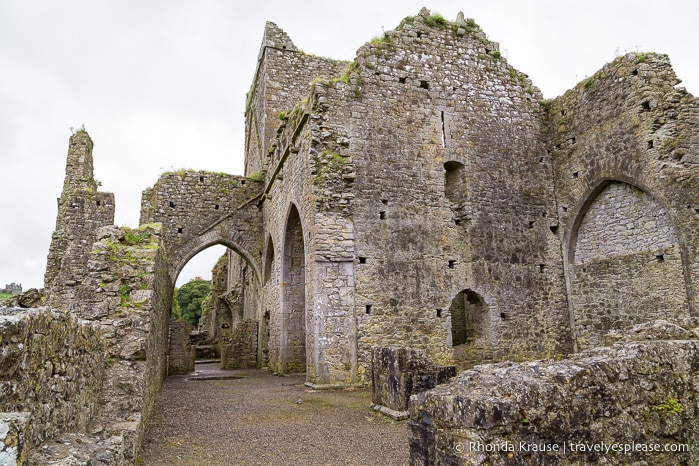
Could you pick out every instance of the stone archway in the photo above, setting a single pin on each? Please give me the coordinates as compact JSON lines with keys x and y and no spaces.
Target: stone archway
{"x":624,"y":263}
{"x":201,"y":209}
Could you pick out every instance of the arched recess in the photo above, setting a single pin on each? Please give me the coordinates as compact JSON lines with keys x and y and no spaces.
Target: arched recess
{"x":293,"y":310}
{"x":270,"y":274}
{"x":471,"y":333}
{"x":624,"y":263}
{"x":454,"y":181}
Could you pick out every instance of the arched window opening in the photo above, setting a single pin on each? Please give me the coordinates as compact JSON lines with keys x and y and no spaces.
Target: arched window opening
{"x":293,"y":338}
{"x":469,"y":318}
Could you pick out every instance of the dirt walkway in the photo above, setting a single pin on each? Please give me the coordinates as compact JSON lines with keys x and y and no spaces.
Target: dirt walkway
{"x":261,"y":419}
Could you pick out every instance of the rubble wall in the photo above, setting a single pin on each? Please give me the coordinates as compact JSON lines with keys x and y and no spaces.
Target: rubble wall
{"x":53,"y":367}
{"x":587,"y":409}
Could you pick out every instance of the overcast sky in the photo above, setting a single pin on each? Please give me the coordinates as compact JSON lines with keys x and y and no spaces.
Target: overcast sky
{"x":161,"y":84}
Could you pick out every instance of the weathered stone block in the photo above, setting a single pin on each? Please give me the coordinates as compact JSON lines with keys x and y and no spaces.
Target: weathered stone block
{"x":15,"y":435}
{"x":566,"y":412}
{"x":398,"y":373}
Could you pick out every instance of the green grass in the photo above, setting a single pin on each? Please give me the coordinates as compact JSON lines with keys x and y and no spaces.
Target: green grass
{"x":257,"y":176}
{"x":5,"y":296}
{"x":436,"y":21}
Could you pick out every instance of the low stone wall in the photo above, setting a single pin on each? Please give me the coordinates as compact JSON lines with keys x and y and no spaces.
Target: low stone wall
{"x":590,"y":409}
{"x":397,"y":373}
{"x":52,"y":367}
{"x":182,"y":353}
{"x":241,"y":353}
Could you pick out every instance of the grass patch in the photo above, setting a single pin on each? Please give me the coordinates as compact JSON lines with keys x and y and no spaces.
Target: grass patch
{"x":5,"y":296}
{"x":258,"y":175}
{"x":546,"y":105}
{"x":124,"y":291}
{"x":134,"y":237}
{"x":436,"y":21}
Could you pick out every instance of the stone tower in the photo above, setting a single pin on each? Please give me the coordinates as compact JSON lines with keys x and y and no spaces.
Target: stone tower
{"x":81,"y":211}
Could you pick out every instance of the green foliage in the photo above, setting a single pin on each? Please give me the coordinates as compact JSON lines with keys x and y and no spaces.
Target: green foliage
{"x":335,"y":160}
{"x":282,"y":115}
{"x":471,"y":24}
{"x":188,"y":299}
{"x":258,"y":175}
{"x":81,"y":130}
{"x":5,"y":296}
{"x":436,"y":21}
{"x":496,"y":54}
{"x":124,"y":291}
{"x":409,"y":20}
{"x":381,"y":42}
{"x":546,"y":105}
{"x":672,"y":405}
{"x":351,"y":68}
{"x":133,"y":237}
{"x":641,"y":57}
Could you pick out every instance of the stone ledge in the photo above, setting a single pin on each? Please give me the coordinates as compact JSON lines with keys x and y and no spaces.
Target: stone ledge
{"x":392,"y":413}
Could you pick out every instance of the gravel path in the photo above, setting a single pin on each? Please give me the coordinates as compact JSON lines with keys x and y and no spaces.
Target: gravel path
{"x":261,"y":419}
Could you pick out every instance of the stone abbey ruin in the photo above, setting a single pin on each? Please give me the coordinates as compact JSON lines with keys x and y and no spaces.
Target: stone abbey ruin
{"x":404,"y":217}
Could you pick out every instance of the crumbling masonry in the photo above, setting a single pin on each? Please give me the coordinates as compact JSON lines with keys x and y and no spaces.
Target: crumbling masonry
{"x":422,"y":196}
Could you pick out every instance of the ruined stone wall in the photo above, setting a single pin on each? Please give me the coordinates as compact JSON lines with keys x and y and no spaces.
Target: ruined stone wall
{"x":625,"y":159}
{"x":128,"y":294}
{"x":53,"y":367}
{"x":181,"y":353}
{"x":282,"y":78}
{"x":241,"y":352}
{"x":641,"y":392}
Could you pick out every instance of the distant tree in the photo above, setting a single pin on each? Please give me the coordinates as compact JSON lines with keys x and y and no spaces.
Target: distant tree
{"x":189,"y":298}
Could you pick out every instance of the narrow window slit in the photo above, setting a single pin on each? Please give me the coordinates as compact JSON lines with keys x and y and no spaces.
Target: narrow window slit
{"x":367,"y":308}
{"x":362,"y":260}
{"x":382,"y":215}
{"x":439,"y":313}
{"x":451,"y":263}
{"x":444,"y":134}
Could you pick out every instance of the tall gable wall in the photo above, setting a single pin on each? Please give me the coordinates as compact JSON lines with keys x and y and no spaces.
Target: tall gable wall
{"x":625,"y":158}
